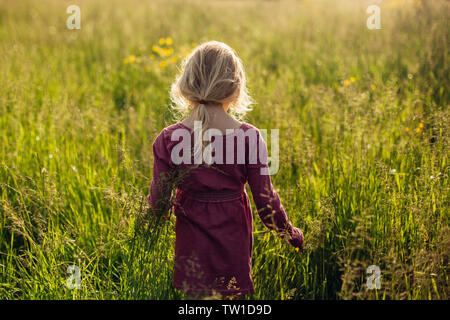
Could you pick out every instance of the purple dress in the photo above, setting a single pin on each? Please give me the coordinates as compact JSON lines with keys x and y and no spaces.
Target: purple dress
{"x":214,"y":239}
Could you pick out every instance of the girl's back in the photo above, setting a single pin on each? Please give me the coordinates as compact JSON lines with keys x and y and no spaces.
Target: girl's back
{"x":213,"y":228}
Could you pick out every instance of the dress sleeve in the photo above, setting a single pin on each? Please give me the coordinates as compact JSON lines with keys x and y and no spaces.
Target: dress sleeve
{"x":161,"y":186}
{"x":267,"y":201}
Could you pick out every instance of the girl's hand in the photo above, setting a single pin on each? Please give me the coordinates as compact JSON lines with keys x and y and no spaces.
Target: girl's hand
{"x":297,"y":239}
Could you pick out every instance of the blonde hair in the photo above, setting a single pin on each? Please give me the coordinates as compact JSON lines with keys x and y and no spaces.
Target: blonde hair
{"x":211,"y":74}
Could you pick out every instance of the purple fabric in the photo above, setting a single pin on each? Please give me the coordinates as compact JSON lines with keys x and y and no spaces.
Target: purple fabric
{"x":214,"y":239}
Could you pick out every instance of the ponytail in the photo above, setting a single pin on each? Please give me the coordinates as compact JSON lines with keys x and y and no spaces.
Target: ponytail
{"x":200,"y":114}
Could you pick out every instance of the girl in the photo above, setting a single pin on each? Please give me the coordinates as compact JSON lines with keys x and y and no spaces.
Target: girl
{"x":214,"y":240}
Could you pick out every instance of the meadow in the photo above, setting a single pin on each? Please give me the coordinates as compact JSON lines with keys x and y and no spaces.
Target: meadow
{"x":364,"y":135}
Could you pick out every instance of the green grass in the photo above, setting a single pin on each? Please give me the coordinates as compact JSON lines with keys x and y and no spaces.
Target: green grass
{"x":77,"y":124}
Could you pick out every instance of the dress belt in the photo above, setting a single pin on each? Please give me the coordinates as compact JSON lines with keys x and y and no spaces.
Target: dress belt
{"x":213,"y":196}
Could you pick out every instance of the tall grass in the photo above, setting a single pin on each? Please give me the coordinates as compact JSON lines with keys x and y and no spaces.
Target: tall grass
{"x":363,"y":118}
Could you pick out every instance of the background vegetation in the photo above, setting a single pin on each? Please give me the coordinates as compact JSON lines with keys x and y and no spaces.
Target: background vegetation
{"x":364,"y":132}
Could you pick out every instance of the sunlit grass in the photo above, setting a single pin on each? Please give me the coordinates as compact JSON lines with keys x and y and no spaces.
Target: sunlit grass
{"x":363,"y":118}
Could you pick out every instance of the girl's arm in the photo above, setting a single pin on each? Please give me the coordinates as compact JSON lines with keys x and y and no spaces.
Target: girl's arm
{"x":161,"y":186}
{"x":268,"y":203}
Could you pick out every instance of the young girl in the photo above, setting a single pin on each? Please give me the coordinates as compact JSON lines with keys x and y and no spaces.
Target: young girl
{"x":214,"y":240}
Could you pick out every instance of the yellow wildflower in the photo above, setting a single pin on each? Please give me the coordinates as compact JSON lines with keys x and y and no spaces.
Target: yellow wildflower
{"x":297,"y":249}
{"x":407,"y":129}
{"x":163,"y":64}
{"x":421,"y":125}
{"x":346,"y":83}
{"x":155,"y":48}
{"x":147,"y":69}
{"x":131,"y":59}
{"x":352,"y":79}
{"x":161,"y":41}
{"x":125,"y":61}
{"x":163,"y":52}
{"x":169,"y":41}
{"x":418,"y":130}
{"x":373,"y":87}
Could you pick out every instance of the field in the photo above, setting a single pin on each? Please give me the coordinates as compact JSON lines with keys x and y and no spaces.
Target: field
{"x":364,"y":135}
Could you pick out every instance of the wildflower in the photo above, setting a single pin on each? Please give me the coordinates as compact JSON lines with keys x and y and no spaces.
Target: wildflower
{"x":161,"y":41}
{"x":166,"y":52}
{"x":148,"y":69}
{"x":297,"y":249}
{"x":410,"y":76}
{"x":163,"y":64}
{"x":373,"y":87}
{"x":418,"y":130}
{"x":421,"y":125}
{"x":155,"y":48}
{"x":393,"y":171}
{"x":169,"y":41}
{"x":352,"y":79}
{"x":163,"y":52}
{"x":50,"y":156}
{"x":346,"y":83}
{"x":37,"y":138}
{"x":407,"y":129}
{"x":131,"y":59}
{"x":125,"y":61}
